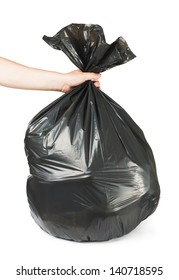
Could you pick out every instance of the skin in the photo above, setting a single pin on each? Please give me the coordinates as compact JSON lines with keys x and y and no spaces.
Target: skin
{"x":15,"y":75}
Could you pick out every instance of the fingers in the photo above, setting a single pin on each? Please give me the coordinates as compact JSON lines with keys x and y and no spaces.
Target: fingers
{"x":95,"y":77}
{"x":92,"y":76}
{"x":97,"y":84}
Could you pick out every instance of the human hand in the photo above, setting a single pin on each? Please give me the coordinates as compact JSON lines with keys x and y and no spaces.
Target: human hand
{"x":76,"y":78}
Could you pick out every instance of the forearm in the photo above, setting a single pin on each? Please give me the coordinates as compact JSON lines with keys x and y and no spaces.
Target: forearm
{"x":15,"y":75}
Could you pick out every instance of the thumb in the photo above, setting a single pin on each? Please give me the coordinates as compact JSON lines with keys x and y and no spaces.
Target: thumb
{"x":93,"y":76}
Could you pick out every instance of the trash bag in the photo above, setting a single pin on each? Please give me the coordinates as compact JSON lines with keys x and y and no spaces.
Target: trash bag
{"x":93,"y":175}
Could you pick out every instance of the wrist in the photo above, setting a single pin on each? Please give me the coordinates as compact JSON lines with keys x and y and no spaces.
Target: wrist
{"x":55,"y":81}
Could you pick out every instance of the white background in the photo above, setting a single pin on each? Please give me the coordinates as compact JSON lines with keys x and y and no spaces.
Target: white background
{"x":147,"y":88}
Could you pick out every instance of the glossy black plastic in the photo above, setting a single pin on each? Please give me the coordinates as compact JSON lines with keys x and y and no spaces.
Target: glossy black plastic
{"x":93,"y":175}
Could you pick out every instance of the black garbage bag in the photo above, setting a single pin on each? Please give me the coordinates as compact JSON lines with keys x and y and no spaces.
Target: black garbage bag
{"x":93,"y":175}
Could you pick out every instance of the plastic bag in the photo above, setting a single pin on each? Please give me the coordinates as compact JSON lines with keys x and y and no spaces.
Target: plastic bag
{"x":93,"y":175}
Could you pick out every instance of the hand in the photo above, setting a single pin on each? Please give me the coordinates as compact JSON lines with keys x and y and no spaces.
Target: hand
{"x":76,"y":78}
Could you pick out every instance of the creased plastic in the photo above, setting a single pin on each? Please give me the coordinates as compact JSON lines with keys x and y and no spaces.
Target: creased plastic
{"x":93,"y":174}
